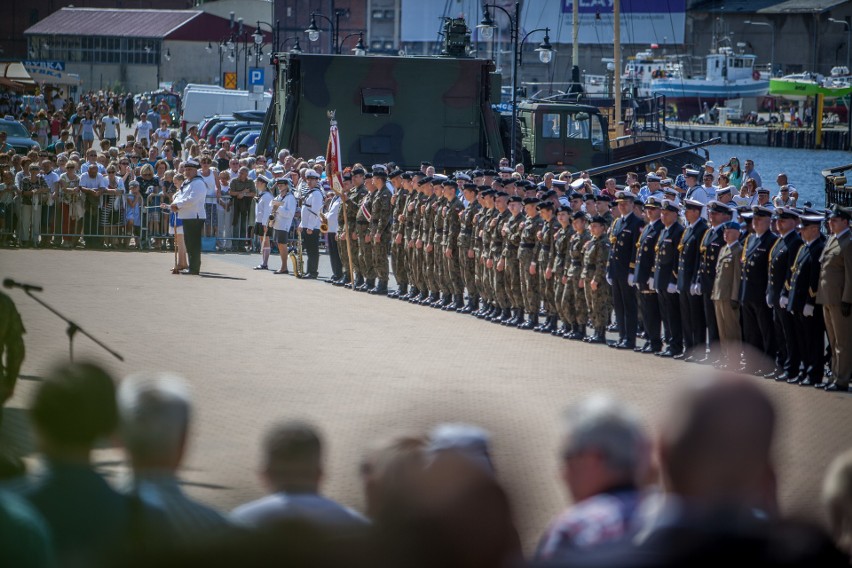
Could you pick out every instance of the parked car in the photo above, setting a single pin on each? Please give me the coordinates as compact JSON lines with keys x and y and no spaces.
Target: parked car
{"x":245,"y":136}
{"x":17,"y":136}
{"x":231,"y":129}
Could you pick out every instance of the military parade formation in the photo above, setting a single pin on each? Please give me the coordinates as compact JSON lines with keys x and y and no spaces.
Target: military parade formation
{"x":749,"y":289}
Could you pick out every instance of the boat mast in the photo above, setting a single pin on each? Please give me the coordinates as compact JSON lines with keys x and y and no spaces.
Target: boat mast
{"x":616,"y":15}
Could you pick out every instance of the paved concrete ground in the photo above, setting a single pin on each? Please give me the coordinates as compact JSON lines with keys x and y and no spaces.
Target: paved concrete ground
{"x":258,"y":347}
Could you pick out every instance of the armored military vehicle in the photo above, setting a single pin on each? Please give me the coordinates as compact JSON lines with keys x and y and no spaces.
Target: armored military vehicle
{"x":443,"y":110}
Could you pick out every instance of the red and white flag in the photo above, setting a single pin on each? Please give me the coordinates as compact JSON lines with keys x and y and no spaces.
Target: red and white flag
{"x":333,"y":166}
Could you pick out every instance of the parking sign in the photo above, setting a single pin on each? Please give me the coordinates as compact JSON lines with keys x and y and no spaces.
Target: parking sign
{"x":255,"y":75}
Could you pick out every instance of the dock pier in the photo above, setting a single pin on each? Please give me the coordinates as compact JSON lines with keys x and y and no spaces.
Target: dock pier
{"x":773,"y":136}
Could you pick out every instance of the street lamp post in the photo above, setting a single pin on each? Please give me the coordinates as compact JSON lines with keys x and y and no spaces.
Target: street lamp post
{"x":359,"y":49}
{"x":313,"y":30}
{"x":545,"y":53}
{"x":297,"y":49}
{"x":772,"y":50}
{"x":848,"y":38}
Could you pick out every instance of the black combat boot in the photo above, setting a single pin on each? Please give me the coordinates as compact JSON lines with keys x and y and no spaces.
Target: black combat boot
{"x":438,"y":301}
{"x":483,"y":309}
{"x":495,"y":313}
{"x":562,"y":331}
{"x":358,"y":281}
{"x":458,"y":303}
{"x":580,"y":332}
{"x":549,"y":324}
{"x":367,"y":285}
{"x":428,"y":298}
{"x":343,"y":280}
{"x":472,"y":305}
{"x":447,"y":303}
{"x":599,"y":336}
{"x":380,"y":289}
{"x":413,"y":292}
{"x":415,"y":298}
{"x":519,"y":317}
{"x":531,"y":323}
{"x":400,"y":291}
{"x":507,"y":315}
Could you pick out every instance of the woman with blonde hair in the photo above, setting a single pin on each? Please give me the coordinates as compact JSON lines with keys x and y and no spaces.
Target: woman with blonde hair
{"x":176,"y":228}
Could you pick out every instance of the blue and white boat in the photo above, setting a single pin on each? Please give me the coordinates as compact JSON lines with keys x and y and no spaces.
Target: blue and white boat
{"x":728,"y":75}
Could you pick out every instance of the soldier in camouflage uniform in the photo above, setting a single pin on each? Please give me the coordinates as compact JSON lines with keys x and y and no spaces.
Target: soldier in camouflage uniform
{"x":452,"y":257}
{"x":412,"y":226}
{"x":438,"y":248}
{"x":542,"y":262}
{"x":380,"y":231}
{"x":341,"y":236}
{"x":362,"y":229}
{"x":558,"y":267}
{"x":487,"y":213}
{"x":399,"y":260}
{"x":352,"y":201}
{"x":574,"y":297}
{"x":491,"y":309}
{"x":527,"y":253}
{"x":467,"y":254}
{"x":593,"y":280}
{"x":430,"y":293}
{"x":501,"y":297}
{"x":512,"y":239}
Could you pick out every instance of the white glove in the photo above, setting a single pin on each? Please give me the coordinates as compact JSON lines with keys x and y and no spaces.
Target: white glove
{"x":631,"y":279}
{"x":783,"y":302}
{"x":769,"y":301}
{"x":651,"y":282}
{"x":697,"y":289}
{"x":672,"y":288}
{"x":808,"y":311}
{"x":609,"y":279}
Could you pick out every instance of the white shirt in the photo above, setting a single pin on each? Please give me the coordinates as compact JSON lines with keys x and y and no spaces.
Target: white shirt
{"x":190,"y":200}
{"x":162,"y":135}
{"x":700,"y":193}
{"x":333,"y":210}
{"x":98,"y":181}
{"x":143,"y":131}
{"x":263,"y":207}
{"x":311,"y":207}
{"x":285,"y":212}
{"x":282,"y":506}
{"x":110,"y":123}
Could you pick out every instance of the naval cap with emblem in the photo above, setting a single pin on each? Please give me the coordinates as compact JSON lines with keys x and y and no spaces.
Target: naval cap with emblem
{"x":191,"y":163}
{"x":652,"y":177}
{"x":693,"y":204}
{"x":763,"y":190}
{"x":669,"y":205}
{"x":652,"y":203}
{"x":810,"y":216}
{"x":312,"y":174}
{"x":719,"y":207}
{"x":727,"y":190}
{"x":624,"y":196}
{"x":836,"y":211}
{"x":506,"y":170}
{"x":691,"y":173}
{"x":761,"y":211}
{"x":785,"y":213}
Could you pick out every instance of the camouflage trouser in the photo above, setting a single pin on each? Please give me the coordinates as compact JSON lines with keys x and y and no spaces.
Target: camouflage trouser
{"x":454,"y":271}
{"x":468,"y":268}
{"x":600,"y":304}
{"x":440,"y":268}
{"x":380,"y":257}
{"x":343,"y":252}
{"x":356,"y":257}
{"x":529,"y":284}
{"x":365,"y":258}
{"x":487,"y":282}
{"x":399,"y":262}
{"x":558,"y":290}
{"x":574,"y":302}
{"x":513,"y":281}
{"x":545,"y":288}
{"x":478,"y":267}
{"x":414,"y":272}
{"x":429,"y":270}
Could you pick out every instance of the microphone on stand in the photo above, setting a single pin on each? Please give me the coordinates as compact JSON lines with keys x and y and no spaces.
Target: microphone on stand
{"x":9,"y":283}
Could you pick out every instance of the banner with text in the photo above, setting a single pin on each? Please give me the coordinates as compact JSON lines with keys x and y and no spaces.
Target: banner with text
{"x":642,"y":21}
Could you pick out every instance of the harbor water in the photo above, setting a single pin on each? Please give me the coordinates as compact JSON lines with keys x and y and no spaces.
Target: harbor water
{"x":801,"y":166}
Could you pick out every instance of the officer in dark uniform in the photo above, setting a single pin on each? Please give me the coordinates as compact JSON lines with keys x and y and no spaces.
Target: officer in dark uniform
{"x":711,"y":244}
{"x":756,"y":314}
{"x":643,"y":277}
{"x":799,"y":299}
{"x":619,"y":270}
{"x":691,"y":304}
{"x":781,"y":257}
{"x":665,"y":277}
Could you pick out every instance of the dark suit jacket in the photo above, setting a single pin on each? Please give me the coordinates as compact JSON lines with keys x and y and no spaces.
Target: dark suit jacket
{"x":781,"y":258}
{"x":625,"y":234}
{"x":665,"y":265}
{"x":802,"y":285}
{"x":711,"y":244}
{"x":690,"y":254}
{"x":755,"y":276}
{"x":646,"y":253}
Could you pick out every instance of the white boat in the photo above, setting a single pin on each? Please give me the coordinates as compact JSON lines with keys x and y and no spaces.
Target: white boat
{"x":645,"y":66}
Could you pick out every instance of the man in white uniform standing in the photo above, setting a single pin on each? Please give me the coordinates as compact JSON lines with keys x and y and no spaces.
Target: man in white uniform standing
{"x":189,"y":206}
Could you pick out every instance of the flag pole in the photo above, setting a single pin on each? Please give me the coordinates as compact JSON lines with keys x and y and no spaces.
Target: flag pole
{"x":333,"y":163}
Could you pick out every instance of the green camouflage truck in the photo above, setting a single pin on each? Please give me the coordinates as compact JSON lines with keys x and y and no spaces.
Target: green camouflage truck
{"x":438,"y":109}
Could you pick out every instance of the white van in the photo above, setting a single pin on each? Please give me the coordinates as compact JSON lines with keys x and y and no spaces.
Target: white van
{"x":200,"y":87}
{"x":200,"y":103}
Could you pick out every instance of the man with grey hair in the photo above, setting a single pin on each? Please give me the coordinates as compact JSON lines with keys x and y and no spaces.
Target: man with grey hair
{"x":292,"y":469}
{"x":154,"y":412}
{"x":604,"y":454}
{"x":466,"y":439}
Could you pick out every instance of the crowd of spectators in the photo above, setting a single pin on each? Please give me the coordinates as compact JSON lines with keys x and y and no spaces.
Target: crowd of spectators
{"x":702,"y":491}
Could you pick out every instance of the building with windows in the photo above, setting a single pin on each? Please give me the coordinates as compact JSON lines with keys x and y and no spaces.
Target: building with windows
{"x":137,"y":50}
